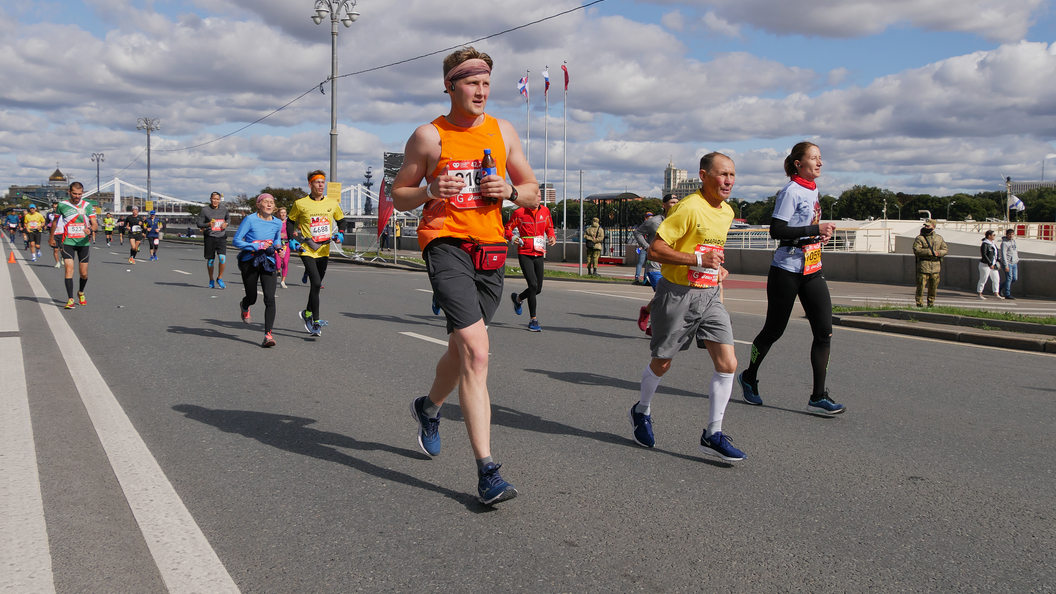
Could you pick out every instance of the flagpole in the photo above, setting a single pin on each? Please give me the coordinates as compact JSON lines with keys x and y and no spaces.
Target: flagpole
{"x":564,"y":166}
{"x":546,"y":120}
{"x":581,"y":244}
{"x":527,"y":120}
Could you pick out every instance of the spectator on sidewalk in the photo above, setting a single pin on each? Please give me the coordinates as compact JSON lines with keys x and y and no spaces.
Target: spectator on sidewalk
{"x":1009,"y":256}
{"x":642,"y":251}
{"x":593,"y":238}
{"x":988,"y":264}
{"x":929,"y":249}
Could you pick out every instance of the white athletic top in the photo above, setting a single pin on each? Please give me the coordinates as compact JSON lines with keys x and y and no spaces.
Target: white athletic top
{"x":799,"y":207}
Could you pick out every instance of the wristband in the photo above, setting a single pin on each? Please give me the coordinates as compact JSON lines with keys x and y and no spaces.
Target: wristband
{"x":429,"y":194}
{"x":699,"y":264}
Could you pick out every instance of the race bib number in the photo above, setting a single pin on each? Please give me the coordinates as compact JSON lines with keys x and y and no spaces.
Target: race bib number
{"x":469,"y":172}
{"x":34,"y":225}
{"x":136,"y":228}
{"x":704,"y":277}
{"x":156,"y":241}
{"x":539,"y":243}
{"x":319,"y":229}
{"x":217,"y":225}
{"x":811,"y":258}
{"x":75,"y":230}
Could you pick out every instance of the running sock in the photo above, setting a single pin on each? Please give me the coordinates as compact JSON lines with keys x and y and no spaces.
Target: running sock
{"x":650,"y":381}
{"x":431,"y":410}
{"x":483,"y":462}
{"x":718,"y":396}
{"x":69,"y":288}
{"x":750,"y":374}
{"x":84,"y":281}
{"x":819,"y":363}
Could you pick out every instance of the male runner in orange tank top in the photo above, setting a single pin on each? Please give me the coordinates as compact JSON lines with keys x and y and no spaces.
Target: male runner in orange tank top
{"x":462,"y":205}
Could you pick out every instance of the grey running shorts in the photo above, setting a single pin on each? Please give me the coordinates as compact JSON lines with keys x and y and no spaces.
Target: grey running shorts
{"x":681,"y":314}
{"x":464,"y":293}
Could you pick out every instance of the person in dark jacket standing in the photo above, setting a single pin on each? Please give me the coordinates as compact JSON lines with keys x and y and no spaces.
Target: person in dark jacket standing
{"x":929,"y":249}
{"x":1009,"y":257}
{"x":988,"y":264}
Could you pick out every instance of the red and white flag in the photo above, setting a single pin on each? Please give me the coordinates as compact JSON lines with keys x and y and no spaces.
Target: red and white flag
{"x":384,"y":208}
{"x":565,"y":68}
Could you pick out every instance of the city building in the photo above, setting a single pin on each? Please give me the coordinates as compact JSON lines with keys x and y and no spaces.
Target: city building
{"x":44,"y":195}
{"x":549,"y":194}
{"x":677,"y":182}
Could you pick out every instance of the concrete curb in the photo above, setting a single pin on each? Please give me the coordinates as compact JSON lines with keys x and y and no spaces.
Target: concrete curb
{"x":948,"y":327}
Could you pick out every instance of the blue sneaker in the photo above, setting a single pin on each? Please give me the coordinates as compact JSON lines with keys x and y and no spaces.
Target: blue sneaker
{"x":516,"y":303}
{"x":220,"y":283}
{"x":491,"y":487}
{"x":642,"y":427}
{"x":428,"y":429}
{"x":533,"y":326}
{"x":436,"y":307}
{"x":306,"y":320}
{"x":751,"y":393}
{"x":317,"y":330}
{"x":720,"y":446}
{"x":825,"y":406}
{"x":304,"y":279}
{"x":212,"y":284}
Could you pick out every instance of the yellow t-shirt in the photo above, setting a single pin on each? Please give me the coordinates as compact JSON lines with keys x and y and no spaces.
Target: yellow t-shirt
{"x":35,"y":222}
{"x":316,"y":220}
{"x":693,"y":225}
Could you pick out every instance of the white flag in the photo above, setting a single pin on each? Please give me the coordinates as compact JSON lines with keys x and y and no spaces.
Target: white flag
{"x":1014,"y":203}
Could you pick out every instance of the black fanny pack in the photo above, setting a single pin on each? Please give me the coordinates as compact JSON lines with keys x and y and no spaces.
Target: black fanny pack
{"x":798,"y":243}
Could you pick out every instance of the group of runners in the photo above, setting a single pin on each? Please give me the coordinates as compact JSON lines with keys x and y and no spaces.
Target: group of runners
{"x":464,"y":245}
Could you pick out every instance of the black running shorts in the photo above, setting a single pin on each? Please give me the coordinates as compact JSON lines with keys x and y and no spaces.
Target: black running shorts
{"x":466,"y":294}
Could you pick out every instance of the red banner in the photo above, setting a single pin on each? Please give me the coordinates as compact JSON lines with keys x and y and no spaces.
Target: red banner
{"x":384,"y":209}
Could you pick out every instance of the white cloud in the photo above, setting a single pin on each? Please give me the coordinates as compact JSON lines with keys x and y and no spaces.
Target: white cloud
{"x":717,"y":24}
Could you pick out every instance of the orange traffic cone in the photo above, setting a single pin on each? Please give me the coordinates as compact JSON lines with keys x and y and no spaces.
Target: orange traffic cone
{"x":11,"y":258}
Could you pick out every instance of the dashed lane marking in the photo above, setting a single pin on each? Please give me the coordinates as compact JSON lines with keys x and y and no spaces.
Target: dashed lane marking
{"x":425,"y":338}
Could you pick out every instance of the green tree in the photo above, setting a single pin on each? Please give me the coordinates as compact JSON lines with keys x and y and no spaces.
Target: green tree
{"x":1041,"y":205}
{"x":760,"y":212}
{"x":862,"y":202}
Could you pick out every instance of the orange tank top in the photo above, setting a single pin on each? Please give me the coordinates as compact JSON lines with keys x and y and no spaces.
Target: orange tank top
{"x":466,"y":215}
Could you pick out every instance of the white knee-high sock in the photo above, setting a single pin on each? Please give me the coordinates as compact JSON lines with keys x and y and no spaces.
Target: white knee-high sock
{"x":650,"y":381}
{"x":718,"y":397}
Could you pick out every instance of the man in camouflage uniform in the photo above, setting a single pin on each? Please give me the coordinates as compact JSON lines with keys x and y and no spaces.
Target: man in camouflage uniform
{"x":929,"y":249}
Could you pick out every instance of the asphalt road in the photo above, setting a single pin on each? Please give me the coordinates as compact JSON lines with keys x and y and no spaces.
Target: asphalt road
{"x":298,"y":469}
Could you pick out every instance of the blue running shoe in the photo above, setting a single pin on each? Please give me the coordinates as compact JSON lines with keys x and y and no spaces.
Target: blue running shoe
{"x":220,"y":283}
{"x":516,"y":303}
{"x":436,"y":307}
{"x":304,"y":279}
{"x":720,"y":446}
{"x":306,"y":319}
{"x":428,"y":429}
{"x":491,"y":487}
{"x":825,"y":406}
{"x":642,"y":427}
{"x":533,"y":326}
{"x":751,"y":393}
{"x":316,"y":330}
{"x":212,"y":284}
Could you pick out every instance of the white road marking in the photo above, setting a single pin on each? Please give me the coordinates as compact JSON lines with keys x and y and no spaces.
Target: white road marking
{"x":185,"y":559}
{"x":181,"y":272}
{"x":648,"y":297}
{"x":425,"y":290}
{"x":425,"y":338}
{"x":24,"y":551}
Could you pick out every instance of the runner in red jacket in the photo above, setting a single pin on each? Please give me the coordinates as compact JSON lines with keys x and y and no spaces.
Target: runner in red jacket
{"x":532,"y":230}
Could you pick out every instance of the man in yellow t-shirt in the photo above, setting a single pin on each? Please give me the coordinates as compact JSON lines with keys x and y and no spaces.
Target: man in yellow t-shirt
{"x":35,"y":223}
{"x":314,"y":221}
{"x":688,"y":302}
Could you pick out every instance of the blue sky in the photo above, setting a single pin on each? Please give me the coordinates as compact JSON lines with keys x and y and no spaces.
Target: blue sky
{"x":889,"y":89}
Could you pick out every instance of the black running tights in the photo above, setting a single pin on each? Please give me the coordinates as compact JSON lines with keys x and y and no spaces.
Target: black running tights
{"x":250,"y":276}
{"x":782,"y":287}
{"x":532,"y":267}
{"x":316,"y":269}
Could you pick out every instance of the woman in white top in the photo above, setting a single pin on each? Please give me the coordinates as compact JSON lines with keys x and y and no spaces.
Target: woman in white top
{"x":796,"y":271}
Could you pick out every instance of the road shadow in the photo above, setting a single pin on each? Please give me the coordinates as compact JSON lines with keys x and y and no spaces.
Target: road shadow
{"x":582,"y":378}
{"x":601,"y":317}
{"x":589,"y":332}
{"x":293,"y":434}
{"x":420,"y":321}
{"x":182,"y":285}
{"x":208,"y":333}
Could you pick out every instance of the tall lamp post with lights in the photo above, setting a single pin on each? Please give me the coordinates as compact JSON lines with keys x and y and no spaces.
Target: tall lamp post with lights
{"x":342,"y":11}
{"x":948,"y":205}
{"x":148,"y":124}
{"x":98,"y":158}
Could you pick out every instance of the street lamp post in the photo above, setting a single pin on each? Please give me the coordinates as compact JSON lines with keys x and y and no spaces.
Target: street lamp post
{"x":98,"y":158}
{"x":334,"y":8}
{"x":148,"y":124}
{"x":948,"y":205}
